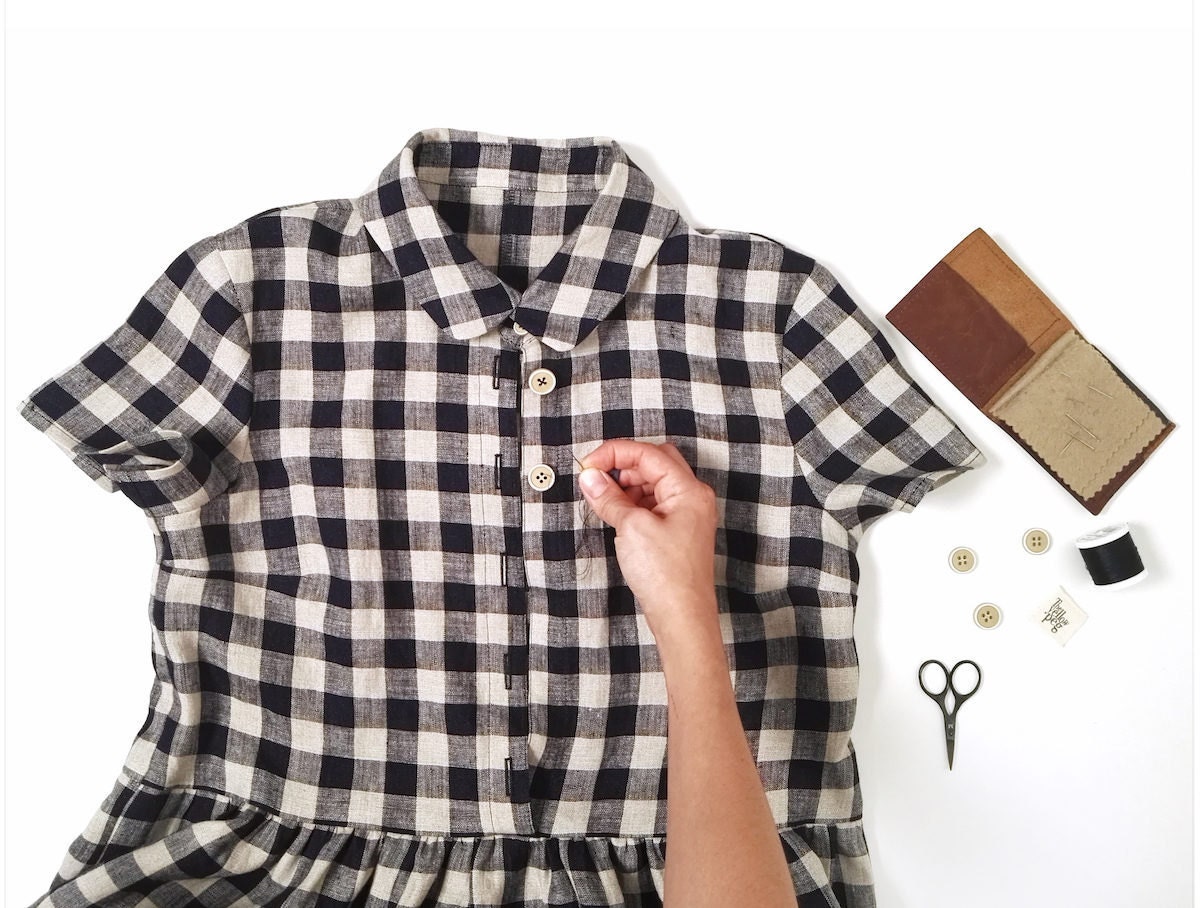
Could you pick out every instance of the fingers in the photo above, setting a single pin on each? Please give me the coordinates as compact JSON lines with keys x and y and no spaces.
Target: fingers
{"x":651,"y":475}
{"x":670,"y":448}
{"x":607,"y":499}
{"x":639,"y":496}
{"x":631,"y":477}
{"x":642,"y":463}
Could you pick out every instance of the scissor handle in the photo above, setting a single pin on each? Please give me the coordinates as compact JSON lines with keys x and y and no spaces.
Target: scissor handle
{"x":939,"y":696}
{"x":958,"y":696}
{"x":921,"y":678}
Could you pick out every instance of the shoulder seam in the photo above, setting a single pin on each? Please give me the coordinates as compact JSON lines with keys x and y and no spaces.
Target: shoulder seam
{"x":327,"y":203}
{"x":239,"y":303}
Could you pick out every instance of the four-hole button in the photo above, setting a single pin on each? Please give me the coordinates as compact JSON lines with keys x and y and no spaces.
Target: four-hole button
{"x":541,"y":381}
{"x":987,"y":615}
{"x":962,"y":559}
{"x":541,"y":477}
{"x":1036,"y":541}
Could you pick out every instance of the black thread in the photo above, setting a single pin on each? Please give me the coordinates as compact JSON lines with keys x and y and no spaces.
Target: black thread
{"x":593,"y":529}
{"x":1113,"y":561}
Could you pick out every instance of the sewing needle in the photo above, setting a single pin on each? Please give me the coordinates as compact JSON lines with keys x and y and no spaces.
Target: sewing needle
{"x":1082,"y":426}
{"x":615,"y":472}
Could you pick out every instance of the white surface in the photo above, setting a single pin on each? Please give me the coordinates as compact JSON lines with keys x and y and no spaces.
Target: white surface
{"x":873,"y":141}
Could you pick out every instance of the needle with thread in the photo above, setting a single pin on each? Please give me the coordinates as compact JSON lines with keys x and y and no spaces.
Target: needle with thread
{"x":614,"y":472}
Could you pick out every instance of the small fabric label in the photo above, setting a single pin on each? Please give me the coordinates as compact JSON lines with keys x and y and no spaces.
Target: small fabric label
{"x":1060,"y":616}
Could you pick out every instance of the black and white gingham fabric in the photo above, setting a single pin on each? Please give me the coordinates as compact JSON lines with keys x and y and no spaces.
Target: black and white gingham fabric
{"x":391,"y":670}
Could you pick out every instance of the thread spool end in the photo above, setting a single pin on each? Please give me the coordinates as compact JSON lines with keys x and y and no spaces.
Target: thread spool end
{"x":1102,"y":536}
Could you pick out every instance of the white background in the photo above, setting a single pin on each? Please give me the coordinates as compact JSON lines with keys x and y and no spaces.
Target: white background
{"x":873,"y":141}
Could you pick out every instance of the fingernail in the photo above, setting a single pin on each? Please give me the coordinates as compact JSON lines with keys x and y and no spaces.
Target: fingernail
{"x":592,"y":481}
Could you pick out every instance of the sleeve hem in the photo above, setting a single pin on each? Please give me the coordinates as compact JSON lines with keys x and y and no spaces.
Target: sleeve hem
{"x":41,"y":421}
{"x":910,"y":496}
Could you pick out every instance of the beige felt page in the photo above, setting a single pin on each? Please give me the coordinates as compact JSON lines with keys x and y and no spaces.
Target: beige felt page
{"x":1073,"y":409}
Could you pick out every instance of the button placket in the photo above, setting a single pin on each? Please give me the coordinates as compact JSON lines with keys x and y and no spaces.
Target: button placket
{"x":536,"y":387}
{"x":513,"y":776}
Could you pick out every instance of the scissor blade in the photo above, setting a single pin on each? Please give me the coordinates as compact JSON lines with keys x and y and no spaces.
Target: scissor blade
{"x":950,"y":723}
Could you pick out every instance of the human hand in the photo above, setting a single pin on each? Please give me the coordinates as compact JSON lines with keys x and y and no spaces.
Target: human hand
{"x":666,"y":522}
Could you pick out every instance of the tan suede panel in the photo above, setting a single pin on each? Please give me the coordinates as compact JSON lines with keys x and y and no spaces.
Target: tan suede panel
{"x":1081,"y":418}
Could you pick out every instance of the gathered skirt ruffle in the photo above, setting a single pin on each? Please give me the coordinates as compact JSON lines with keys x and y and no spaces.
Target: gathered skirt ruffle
{"x":181,"y":847}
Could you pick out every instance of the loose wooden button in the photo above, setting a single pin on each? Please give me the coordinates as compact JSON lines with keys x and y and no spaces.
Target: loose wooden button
{"x":987,"y":614}
{"x":963,"y":560}
{"x":1036,"y":541}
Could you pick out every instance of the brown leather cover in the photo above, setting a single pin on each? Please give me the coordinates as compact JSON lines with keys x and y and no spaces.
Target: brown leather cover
{"x":962,"y":334}
{"x":982,"y":322}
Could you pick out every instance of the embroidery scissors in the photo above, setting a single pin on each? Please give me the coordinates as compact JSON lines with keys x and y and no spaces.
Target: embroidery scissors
{"x":950,"y":717}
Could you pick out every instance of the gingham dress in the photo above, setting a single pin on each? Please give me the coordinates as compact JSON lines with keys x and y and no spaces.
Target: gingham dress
{"x":396,"y":661}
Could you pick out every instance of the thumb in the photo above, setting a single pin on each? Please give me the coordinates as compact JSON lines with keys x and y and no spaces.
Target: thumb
{"x":606,"y":497}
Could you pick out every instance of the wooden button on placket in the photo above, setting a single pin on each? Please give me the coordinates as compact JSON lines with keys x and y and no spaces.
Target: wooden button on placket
{"x":541,"y":477}
{"x":542,"y":381}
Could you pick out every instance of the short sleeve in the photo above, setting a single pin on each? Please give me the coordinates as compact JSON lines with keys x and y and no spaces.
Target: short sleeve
{"x":868,"y":438}
{"x":160,"y":409}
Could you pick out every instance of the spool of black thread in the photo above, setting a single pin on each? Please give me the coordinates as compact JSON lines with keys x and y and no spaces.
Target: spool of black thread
{"x":1111,"y":557}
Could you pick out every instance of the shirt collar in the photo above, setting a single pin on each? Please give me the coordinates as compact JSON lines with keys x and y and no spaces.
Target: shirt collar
{"x":580,"y":285}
